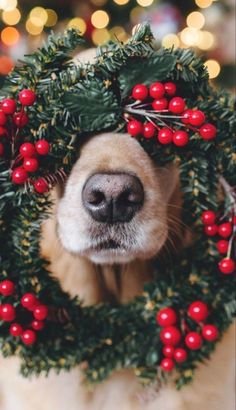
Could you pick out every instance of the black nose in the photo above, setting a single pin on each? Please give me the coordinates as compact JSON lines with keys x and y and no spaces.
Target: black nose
{"x":113,"y":198}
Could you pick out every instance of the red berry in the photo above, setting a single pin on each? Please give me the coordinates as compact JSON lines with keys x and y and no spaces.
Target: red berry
{"x":167,"y":364}
{"x":196,"y":118}
{"x":27,"y":97}
{"x":193,"y":341}
{"x":37,"y":325}
{"x":166,"y":317}
{"x":41,"y":186}
{"x":31,"y":164}
{"x":29,"y":300}
{"x":227,"y":266}
{"x":170,"y":335}
{"x":8,"y":313}
{"x":177,"y":105}
{"x":3,"y":131}
{"x":208,"y":217}
{"x":16,"y":329}
{"x":8,"y":106}
{"x":28,"y":337}
{"x":1,"y":149}
{"x":7,"y":287}
{"x":180,"y":138}
{"x":134,"y":127}
{"x":40,"y":312}
{"x":168,"y":351}
{"x":180,"y":355}
{"x":140,"y":92}
{"x":149,"y":130}
{"x":19,"y":176}
{"x":27,"y":150}
{"x":234,"y":219}
{"x":208,"y":131}
{"x":20,"y":119}
{"x":3,"y":118}
{"x":198,"y":311}
{"x":165,"y":136}
{"x":222,"y":246}
{"x":42,"y":147}
{"x":186,"y":116}
{"x":225,"y":230}
{"x":160,"y":104}
{"x":170,"y":88}
{"x":211,"y":230}
{"x":210,"y":333}
{"x":157,"y":90}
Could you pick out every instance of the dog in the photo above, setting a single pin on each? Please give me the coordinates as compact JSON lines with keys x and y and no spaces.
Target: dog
{"x":116,"y":211}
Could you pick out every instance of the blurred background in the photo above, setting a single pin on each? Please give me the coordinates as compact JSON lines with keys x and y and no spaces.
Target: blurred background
{"x":206,"y":25}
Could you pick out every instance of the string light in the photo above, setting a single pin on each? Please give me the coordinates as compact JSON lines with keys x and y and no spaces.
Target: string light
{"x":213,"y":68}
{"x":203,"y":4}
{"x":8,"y":5}
{"x":100,"y":19}
{"x":52,"y":18}
{"x":10,"y":36}
{"x":32,"y":29}
{"x":100,"y":36}
{"x":78,"y":23}
{"x":196,"y":20}
{"x":38,"y":16}
{"x":11,"y":17}
{"x":170,"y":40}
{"x":145,"y":3}
{"x":189,"y":36}
{"x":6,"y":65}
{"x":206,"y":40}
{"x":121,"y":2}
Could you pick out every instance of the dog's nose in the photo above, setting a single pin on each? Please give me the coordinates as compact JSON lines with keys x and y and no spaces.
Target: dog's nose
{"x":113,"y":198}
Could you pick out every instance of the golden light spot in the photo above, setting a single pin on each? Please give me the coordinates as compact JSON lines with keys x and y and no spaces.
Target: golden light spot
{"x":189,"y":36}
{"x":100,"y":19}
{"x":52,"y":18}
{"x":145,"y":3}
{"x":78,"y":23}
{"x":203,"y":4}
{"x":32,"y":29}
{"x":170,"y":40}
{"x":38,"y":16}
{"x":196,"y":20}
{"x":121,"y":2}
{"x":206,"y":40}
{"x":213,"y":68}
{"x":100,"y":36}
{"x":11,"y":17}
{"x":8,"y":5}
{"x":10,"y":36}
{"x":135,"y":14}
{"x":99,"y":3}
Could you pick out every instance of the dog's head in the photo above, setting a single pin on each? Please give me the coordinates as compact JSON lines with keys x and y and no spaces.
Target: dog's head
{"x":114,"y":206}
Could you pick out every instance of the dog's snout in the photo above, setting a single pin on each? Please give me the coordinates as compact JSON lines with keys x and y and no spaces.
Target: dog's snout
{"x":113,"y":198}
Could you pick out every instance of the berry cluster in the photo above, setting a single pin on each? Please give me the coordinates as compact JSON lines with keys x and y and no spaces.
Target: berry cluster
{"x":29,"y":301}
{"x":163,"y":111}
{"x":226,"y":232}
{"x":171,"y":335}
{"x":24,"y":156}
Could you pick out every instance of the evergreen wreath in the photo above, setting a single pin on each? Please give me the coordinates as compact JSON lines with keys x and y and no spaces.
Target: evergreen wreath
{"x":163,"y":98}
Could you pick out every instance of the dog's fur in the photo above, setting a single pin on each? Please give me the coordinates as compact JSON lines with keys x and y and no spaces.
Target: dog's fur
{"x":74,"y":245}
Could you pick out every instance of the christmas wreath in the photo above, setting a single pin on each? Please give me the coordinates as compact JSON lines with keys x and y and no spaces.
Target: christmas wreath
{"x":162,"y":98}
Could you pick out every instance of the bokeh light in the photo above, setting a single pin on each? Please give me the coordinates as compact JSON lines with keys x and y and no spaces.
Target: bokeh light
{"x":206,"y":40}
{"x":135,"y":14}
{"x":100,"y":36}
{"x":78,"y":23}
{"x":52,"y":18}
{"x":11,"y":18}
{"x":33,"y":29}
{"x":100,"y":19}
{"x":121,"y":2}
{"x":38,"y":16}
{"x":213,"y":68}
{"x":203,"y":4}
{"x":196,"y":20}
{"x":8,"y":5}
{"x":99,"y":3}
{"x":189,"y":36}
{"x":10,"y":36}
{"x":145,"y":3}
{"x":170,"y":40}
{"x":6,"y":65}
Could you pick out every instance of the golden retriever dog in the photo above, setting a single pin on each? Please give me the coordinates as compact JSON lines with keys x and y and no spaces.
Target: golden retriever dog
{"x":116,"y":212}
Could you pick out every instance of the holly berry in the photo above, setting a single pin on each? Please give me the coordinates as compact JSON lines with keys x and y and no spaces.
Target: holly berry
{"x":225,"y":230}
{"x":211,"y":230}
{"x":29,"y":301}
{"x":19,"y":176}
{"x":27,"y":150}
{"x":160,"y":104}
{"x":222,"y":246}
{"x":165,"y":136}
{"x":1,"y":149}
{"x":170,"y":88}
{"x":210,"y":333}
{"x":37,"y":325}
{"x":193,"y":341}
{"x":208,"y":131}
{"x":167,"y":364}
{"x":170,"y":335}
{"x":180,"y":138}
{"x":7,"y":287}
{"x":3,"y":118}
{"x":8,"y":106}
{"x":166,"y":317}
{"x":27,"y":97}
{"x":41,"y":186}
{"x":8,"y":312}
{"x":134,"y":128}
{"x":198,"y":311}
{"x":31,"y":164}
{"x":180,"y":355}
{"x":168,"y":351}
{"x":177,"y":105}
{"x":40,"y":312}
{"x":20,"y":119}
{"x":208,"y":217}
{"x":3,"y":131}
{"x":196,"y":118}
{"x":16,"y":329}
{"x":157,"y":90}
{"x":227,"y":266}
{"x":186,"y":116}
{"x":28,"y":337}
{"x":148,"y":130}
{"x":140,"y":92}
{"x":42,"y":147}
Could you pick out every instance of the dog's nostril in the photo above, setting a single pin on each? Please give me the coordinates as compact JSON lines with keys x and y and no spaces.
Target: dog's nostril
{"x":113,"y":198}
